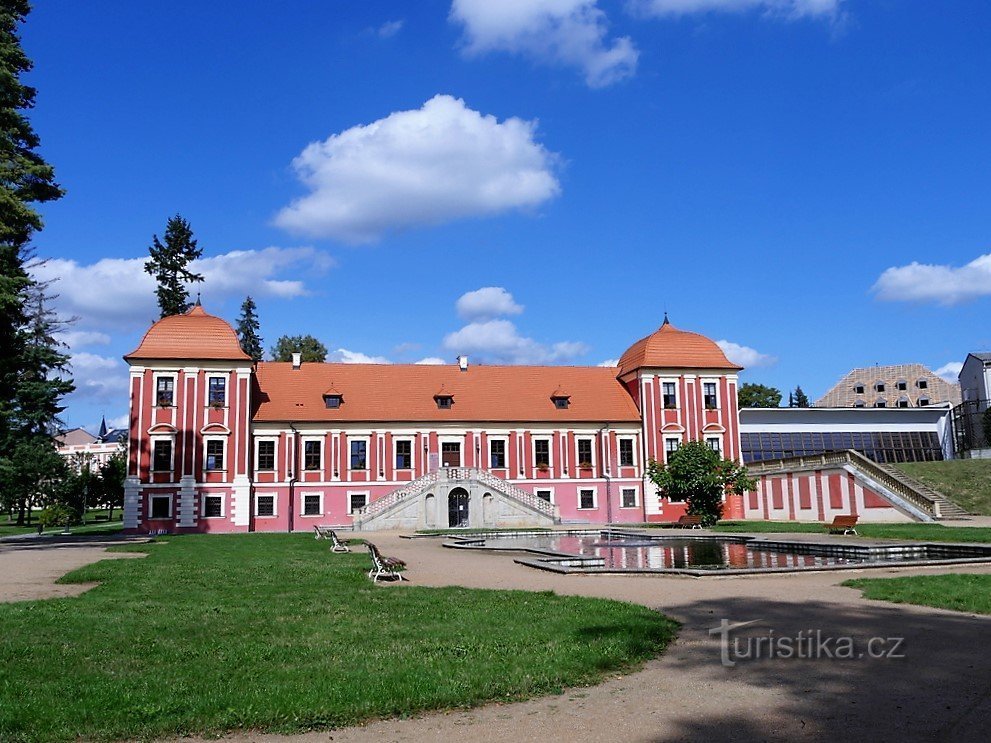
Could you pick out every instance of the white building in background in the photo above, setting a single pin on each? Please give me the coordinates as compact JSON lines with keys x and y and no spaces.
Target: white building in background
{"x":975,"y":379}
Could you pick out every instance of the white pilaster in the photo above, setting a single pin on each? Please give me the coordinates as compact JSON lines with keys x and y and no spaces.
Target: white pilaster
{"x":186,"y":506}
{"x":132,"y":502}
{"x":241,"y":501}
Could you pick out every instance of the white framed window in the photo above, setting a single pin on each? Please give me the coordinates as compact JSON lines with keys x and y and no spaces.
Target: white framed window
{"x":498,"y":453}
{"x":162,"y":454}
{"x":542,"y":452}
{"x":311,"y":504}
{"x":586,"y":452}
{"x":714,"y":443}
{"x":266,"y":452}
{"x":216,"y":392}
{"x":358,"y":453}
{"x":627,"y":456}
{"x":710,"y":397}
{"x":546,"y":494}
{"x":160,"y":507}
{"x":628,"y":498}
{"x":165,"y":390}
{"x":586,"y":499}
{"x":214,"y":450}
{"x":403,"y":454}
{"x":212,"y":506}
{"x":669,"y":395}
{"x":312,"y":454}
{"x":671,"y":445}
{"x":357,"y":499}
{"x":265,"y":505}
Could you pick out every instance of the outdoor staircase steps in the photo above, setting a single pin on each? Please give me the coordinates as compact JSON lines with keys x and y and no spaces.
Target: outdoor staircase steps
{"x":948,"y":509}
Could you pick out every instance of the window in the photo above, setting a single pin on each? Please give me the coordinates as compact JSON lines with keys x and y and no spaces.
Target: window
{"x":879,"y":386}
{"x":213,"y":506}
{"x":404,"y":455}
{"x":670,"y":397}
{"x":265,"y":458}
{"x":265,"y":505}
{"x":586,"y":499}
{"x":356,"y":501}
{"x":542,"y":452}
{"x":444,"y":402}
{"x":902,"y":386}
{"x":629,"y":498}
{"x":544,"y":494}
{"x":497,"y":454}
{"x":359,"y":454}
{"x":311,"y":455}
{"x":312,"y":505}
{"x":561,"y":403}
{"x":859,"y":404}
{"x":709,"y":395}
{"x":713,"y":443}
{"x":164,"y":391}
{"x":215,"y":454}
{"x":626,"y":452}
{"x":923,"y":401}
{"x":161,"y":460}
{"x":332,"y":401}
{"x":922,"y":384}
{"x":670,"y":447}
{"x":584,"y":452}
{"x":858,"y":389}
{"x":218,"y":392}
{"x":903,"y":402}
{"x":880,"y":404}
{"x":161,"y":506}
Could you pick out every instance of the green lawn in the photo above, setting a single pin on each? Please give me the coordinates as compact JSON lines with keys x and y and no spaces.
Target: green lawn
{"x":273,"y":632}
{"x":925,"y":532}
{"x":960,"y":592}
{"x":967,"y":482}
{"x":95,"y":522}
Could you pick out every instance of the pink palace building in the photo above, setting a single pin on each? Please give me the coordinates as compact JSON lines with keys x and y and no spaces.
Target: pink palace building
{"x":219,"y":443}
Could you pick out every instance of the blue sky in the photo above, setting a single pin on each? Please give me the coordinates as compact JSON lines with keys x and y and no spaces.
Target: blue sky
{"x":805,"y":179}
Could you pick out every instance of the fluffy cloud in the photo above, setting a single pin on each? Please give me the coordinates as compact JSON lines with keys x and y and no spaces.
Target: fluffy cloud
{"x":781,"y":8}
{"x":99,"y":379}
{"x":946,"y":285}
{"x":117,"y":293}
{"x":950,"y":371}
{"x":487,"y":303}
{"x":435,"y":164}
{"x":609,"y":362}
{"x":499,"y":341}
{"x":344,"y":356}
{"x":571,"y":33}
{"x":81,"y":338}
{"x":431,"y":361}
{"x":745,"y":356}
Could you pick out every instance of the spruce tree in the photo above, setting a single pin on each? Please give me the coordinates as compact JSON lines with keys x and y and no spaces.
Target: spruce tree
{"x":169,"y":265}
{"x":247,"y":330}
{"x":801,"y":400}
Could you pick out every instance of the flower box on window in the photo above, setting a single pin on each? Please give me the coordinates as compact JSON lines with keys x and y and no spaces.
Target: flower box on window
{"x":543,"y":467}
{"x":584,"y":465}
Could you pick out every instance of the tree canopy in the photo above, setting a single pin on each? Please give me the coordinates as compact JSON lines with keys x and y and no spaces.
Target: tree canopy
{"x":751,"y":395}
{"x":169,"y":265}
{"x":310,"y":348}
{"x":798,"y":399}
{"x":698,"y":475}
{"x":247,"y":330}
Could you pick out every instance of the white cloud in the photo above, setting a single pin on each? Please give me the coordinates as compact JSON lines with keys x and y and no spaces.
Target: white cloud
{"x":344,"y":356}
{"x":570,"y":33}
{"x":950,"y":371}
{"x":431,"y":361}
{"x":499,"y":341}
{"x":99,"y":379}
{"x":389,"y":29}
{"x":435,"y":164}
{"x":487,"y":303}
{"x":940,"y":283}
{"x":609,"y":362}
{"x":80,"y":338}
{"x":116,"y":293}
{"x":745,"y":356}
{"x":788,"y":9}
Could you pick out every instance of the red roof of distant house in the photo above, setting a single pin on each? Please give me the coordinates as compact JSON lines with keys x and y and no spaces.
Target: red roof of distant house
{"x":670,"y":348}
{"x":406,"y":392}
{"x":194,"y":335}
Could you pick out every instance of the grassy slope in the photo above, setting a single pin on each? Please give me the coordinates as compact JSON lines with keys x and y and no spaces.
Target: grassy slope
{"x":272,"y":632}
{"x":967,"y":482}
{"x":926,"y":532}
{"x":971,"y":593}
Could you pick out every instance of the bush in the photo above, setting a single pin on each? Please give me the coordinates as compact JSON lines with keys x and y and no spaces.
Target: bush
{"x":58,"y":515}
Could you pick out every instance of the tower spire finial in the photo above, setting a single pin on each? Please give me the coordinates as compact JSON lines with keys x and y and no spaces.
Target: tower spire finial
{"x":198,"y":300}
{"x":666,"y":321}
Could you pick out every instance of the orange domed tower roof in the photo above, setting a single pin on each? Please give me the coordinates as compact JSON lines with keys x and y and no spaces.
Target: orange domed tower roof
{"x":194,"y":335}
{"x":670,"y":348}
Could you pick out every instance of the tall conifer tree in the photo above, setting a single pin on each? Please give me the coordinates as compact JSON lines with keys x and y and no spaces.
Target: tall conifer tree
{"x":169,"y":264}
{"x":247,"y":330}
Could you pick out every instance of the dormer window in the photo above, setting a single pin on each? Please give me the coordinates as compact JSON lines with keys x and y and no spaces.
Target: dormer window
{"x":922,"y":384}
{"x":858,"y":389}
{"x":561,"y":399}
{"x":879,"y":386}
{"x":902,"y":385}
{"x":444,"y":402}
{"x":333,"y":401}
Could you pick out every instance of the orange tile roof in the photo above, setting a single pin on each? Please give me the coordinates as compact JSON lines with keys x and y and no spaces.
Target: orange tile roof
{"x":670,"y":348}
{"x":395,"y":393}
{"x":195,"y":335}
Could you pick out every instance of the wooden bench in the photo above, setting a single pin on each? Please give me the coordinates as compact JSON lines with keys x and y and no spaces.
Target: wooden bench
{"x":689,"y":521}
{"x":325,"y":532}
{"x":384,"y":567}
{"x":843,"y":525}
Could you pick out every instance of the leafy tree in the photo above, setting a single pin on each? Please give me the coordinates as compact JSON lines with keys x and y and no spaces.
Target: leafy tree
{"x":701,"y":477}
{"x":798,"y":399}
{"x":112,"y":475}
{"x":752,"y":395}
{"x":169,"y":265}
{"x":310,"y":347}
{"x":247,"y":330}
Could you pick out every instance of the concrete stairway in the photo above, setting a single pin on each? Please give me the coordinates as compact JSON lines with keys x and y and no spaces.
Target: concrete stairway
{"x":947,"y":508}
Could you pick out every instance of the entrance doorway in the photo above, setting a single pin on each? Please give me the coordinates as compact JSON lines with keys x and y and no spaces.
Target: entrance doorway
{"x":450,"y":454}
{"x":457,"y":508}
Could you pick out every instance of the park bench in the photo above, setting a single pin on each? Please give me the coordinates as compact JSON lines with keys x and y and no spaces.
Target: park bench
{"x":689,"y":521}
{"x":843,"y":525}
{"x":325,"y":532}
{"x":387,"y":567}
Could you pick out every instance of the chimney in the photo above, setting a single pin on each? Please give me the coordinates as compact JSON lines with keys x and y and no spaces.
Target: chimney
{"x":297,"y":360}
{"x":463,"y":363}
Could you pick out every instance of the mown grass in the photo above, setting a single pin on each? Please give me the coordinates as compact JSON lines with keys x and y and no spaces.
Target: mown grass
{"x":967,"y":482}
{"x":95,"y":522}
{"x":273,"y":632}
{"x":959,"y":592}
{"x":924,"y":532}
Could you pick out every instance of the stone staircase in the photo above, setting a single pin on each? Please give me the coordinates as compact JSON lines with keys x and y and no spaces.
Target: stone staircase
{"x":947,"y":508}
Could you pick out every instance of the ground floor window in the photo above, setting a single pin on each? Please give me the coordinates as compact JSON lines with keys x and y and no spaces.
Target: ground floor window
{"x":265,"y":505}
{"x":356,"y":501}
{"x":586,"y":498}
{"x":213,"y":506}
{"x":629,"y":498}
{"x":215,"y":454}
{"x":547,"y":495}
{"x":311,"y":504}
{"x":161,"y":506}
